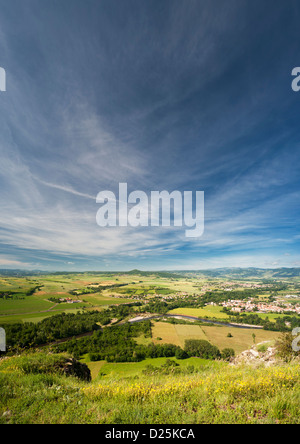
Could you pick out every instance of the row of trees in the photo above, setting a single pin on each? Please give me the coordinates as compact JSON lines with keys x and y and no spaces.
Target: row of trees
{"x":220,"y":296}
{"x":8,"y":294}
{"x":61,"y":326}
{"x":205,"y":350}
{"x":90,"y":290}
{"x":162,"y":307}
{"x":281,"y":324}
{"x":117,"y":344}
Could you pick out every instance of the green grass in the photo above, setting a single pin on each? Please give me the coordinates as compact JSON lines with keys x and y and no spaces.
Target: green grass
{"x":273,"y":316}
{"x":37,"y":307}
{"x":99,"y":299}
{"x":143,"y":340}
{"x":26,"y":305}
{"x":230,"y":395}
{"x":34,"y":317}
{"x":210,"y":311}
{"x":215,"y":312}
{"x":133,"y":369}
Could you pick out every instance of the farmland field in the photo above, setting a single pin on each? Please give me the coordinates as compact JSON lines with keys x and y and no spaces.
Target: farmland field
{"x":47,"y":290}
{"x":114,"y":371}
{"x":88,"y":319}
{"x":185,"y":332}
{"x":34,"y":317}
{"x":26,"y":305}
{"x":242,"y":339}
{"x":166,"y":332}
{"x":99,"y":291}
{"x":209,"y":311}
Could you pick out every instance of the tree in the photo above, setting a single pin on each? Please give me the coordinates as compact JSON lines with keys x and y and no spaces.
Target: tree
{"x":201,"y":349}
{"x":284,"y":346}
{"x":181,"y":354}
{"x":227,"y":354}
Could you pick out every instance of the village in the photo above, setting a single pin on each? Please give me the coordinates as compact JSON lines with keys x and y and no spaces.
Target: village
{"x":230,"y":286}
{"x":70,"y":301}
{"x":260,"y":307}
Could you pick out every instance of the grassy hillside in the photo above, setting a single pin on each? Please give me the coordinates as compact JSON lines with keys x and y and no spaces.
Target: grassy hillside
{"x":34,"y":390}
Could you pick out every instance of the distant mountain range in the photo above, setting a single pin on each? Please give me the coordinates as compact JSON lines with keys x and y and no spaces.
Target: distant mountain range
{"x":239,"y":273}
{"x":229,"y":273}
{"x":21,"y":273}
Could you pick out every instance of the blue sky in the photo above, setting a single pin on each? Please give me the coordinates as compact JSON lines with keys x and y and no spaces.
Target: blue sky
{"x":163,"y":95}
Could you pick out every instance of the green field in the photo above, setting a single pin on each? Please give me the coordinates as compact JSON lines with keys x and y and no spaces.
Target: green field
{"x":34,"y":317}
{"x":110,"y":371}
{"x":34,"y":308}
{"x":150,"y":391}
{"x":29,"y":304}
{"x":210,"y":311}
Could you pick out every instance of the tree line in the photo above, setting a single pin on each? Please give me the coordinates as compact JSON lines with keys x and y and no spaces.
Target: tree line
{"x":281,"y":324}
{"x":9,"y":294}
{"x":61,"y":326}
{"x":118,"y":344}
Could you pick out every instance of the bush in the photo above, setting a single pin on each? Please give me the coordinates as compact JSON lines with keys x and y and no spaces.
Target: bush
{"x":284,"y":347}
{"x":201,"y":349}
{"x":227,"y":354}
{"x":181,"y":354}
{"x":51,"y":364}
{"x":262,"y":348}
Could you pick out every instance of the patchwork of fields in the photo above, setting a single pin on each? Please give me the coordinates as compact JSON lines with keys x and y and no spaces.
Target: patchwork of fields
{"x":167,"y":333}
{"x":191,"y":388}
{"x":240,"y":340}
{"x":99,"y":291}
{"x":44,"y":302}
{"x":34,"y":308}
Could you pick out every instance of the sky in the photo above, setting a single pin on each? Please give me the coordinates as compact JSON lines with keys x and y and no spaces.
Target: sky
{"x":187,"y":95}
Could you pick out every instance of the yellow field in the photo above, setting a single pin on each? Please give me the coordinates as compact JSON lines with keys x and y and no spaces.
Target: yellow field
{"x":209,"y":311}
{"x":242,"y":338}
{"x":166,"y":332}
{"x":185,"y":332}
{"x":176,"y":334}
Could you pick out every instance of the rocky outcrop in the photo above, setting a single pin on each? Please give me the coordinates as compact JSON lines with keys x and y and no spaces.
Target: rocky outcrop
{"x":72,"y":367}
{"x":257,"y":358}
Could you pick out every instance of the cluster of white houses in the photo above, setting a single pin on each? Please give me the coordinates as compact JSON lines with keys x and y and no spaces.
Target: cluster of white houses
{"x":70,"y":301}
{"x":230,"y":286}
{"x":250,"y":306}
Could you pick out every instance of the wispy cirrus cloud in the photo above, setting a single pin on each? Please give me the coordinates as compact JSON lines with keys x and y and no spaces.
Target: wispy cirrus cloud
{"x":174,"y":97}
